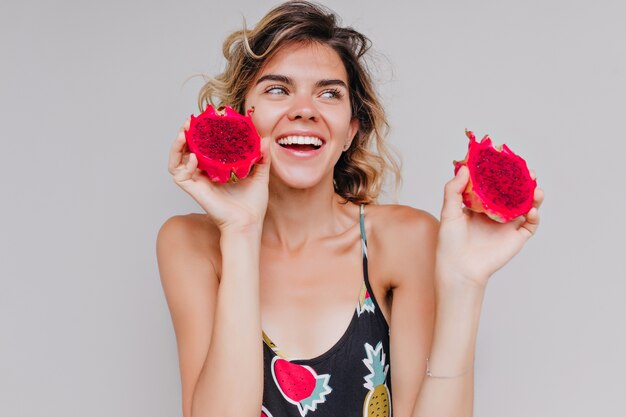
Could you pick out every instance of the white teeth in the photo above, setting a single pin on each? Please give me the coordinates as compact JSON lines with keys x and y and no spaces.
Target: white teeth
{"x":300,"y":140}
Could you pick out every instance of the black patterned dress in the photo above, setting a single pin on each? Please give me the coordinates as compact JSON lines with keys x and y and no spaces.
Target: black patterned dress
{"x":351,"y":379}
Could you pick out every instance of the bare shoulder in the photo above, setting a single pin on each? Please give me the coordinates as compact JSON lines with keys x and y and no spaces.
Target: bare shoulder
{"x":399,"y":223}
{"x":192,"y":234}
{"x":195,"y":228}
{"x":404,"y":238}
{"x":186,"y":246}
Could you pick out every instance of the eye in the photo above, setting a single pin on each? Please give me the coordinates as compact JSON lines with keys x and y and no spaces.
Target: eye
{"x":276,"y":90}
{"x":332,"y":93}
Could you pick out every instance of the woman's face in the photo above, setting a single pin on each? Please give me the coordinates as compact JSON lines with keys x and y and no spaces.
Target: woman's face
{"x":302,"y":104}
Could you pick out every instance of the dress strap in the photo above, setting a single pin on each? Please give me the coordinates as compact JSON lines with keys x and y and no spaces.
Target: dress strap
{"x":363,"y":236}
{"x":364,"y":246}
{"x":367,"y":291}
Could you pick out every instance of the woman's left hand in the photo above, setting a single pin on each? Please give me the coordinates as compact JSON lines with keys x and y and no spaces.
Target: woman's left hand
{"x":471,"y":246}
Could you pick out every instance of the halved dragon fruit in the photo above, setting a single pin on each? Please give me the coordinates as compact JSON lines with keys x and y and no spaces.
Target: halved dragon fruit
{"x":500,"y":184}
{"x":226,"y":143}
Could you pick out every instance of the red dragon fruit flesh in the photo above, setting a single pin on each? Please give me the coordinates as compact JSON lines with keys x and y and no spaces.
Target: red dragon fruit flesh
{"x":226,"y":143}
{"x":500,"y":184}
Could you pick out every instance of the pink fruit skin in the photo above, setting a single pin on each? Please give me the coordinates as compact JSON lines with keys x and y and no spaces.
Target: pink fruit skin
{"x":490,"y":193}
{"x":238,"y":143}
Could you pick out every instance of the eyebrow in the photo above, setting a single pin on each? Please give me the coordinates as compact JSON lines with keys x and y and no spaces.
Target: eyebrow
{"x":289,"y":81}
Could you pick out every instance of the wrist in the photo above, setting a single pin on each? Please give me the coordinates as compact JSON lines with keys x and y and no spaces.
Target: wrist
{"x":458,"y":301}
{"x":248,"y":235}
{"x":241,"y":231}
{"x":241,"y":249}
{"x":449,"y":279}
{"x":458,"y":292}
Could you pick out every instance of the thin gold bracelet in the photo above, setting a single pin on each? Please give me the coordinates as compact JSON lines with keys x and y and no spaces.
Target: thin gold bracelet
{"x":430,"y":374}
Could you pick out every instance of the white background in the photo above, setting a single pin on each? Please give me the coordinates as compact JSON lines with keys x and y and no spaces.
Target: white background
{"x":92,"y":94}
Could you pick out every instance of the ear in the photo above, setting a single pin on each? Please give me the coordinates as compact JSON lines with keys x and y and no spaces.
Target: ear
{"x":354,"y":128}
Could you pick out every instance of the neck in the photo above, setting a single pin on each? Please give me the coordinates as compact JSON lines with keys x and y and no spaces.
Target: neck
{"x":295,"y":217}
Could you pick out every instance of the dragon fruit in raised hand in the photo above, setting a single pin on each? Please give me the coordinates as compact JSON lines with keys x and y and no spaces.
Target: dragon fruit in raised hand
{"x":225,"y":143}
{"x":500,"y":184}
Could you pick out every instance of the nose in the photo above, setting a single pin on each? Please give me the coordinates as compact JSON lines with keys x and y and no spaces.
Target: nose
{"x":303,"y":107}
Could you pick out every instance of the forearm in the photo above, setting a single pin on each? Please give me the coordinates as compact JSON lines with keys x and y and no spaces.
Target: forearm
{"x":450,"y":391}
{"x":231,"y":380}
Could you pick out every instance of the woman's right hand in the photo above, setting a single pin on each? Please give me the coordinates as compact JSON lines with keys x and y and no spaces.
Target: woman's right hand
{"x":236,"y":207}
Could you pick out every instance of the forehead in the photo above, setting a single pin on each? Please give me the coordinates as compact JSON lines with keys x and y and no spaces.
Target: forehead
{"x":313,"y":61}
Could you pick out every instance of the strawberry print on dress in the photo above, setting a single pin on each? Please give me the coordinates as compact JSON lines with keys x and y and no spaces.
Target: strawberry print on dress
{"x":300,"y":384}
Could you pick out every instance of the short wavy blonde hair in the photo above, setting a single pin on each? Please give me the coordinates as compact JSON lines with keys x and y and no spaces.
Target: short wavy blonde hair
{"x":360,"y":173}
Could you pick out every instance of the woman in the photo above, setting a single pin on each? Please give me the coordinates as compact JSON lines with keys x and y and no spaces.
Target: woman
{"x":262,"y":289}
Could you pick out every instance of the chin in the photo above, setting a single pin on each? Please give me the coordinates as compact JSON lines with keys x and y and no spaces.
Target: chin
{"x":300,"y":178}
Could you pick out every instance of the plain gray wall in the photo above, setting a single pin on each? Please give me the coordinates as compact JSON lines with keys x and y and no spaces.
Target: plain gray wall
{"x":92,"y":94}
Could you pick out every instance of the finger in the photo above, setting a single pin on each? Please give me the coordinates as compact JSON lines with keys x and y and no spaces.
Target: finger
{"x":453,"y":194}
{"x":263,"y":166}
{"x":185,"y":126}
{"x":177,"y":152}
{"x":186,"y":172}
{"x":266,"y":158}
{"x":196,"y":174}
{"x":533,"y":174}
{"x":529,"y":227}
{"x":538,"y":197}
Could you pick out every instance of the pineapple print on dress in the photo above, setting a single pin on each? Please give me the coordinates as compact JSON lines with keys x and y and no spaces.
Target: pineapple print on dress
{"x":300,"y":384}
{"x":378,"y":400}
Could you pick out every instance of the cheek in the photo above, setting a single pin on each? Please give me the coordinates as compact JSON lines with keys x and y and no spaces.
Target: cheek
{"x":265,"y":117}
{"x":341,"y":121}
{"x":260,"y":121}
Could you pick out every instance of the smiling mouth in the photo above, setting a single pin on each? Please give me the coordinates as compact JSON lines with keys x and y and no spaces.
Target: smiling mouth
{"x":300,"y":143}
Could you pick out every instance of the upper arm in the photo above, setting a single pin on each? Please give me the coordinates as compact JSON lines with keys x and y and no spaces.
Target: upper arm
{"x":413,"y":307}
{"x":190,"y":285}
